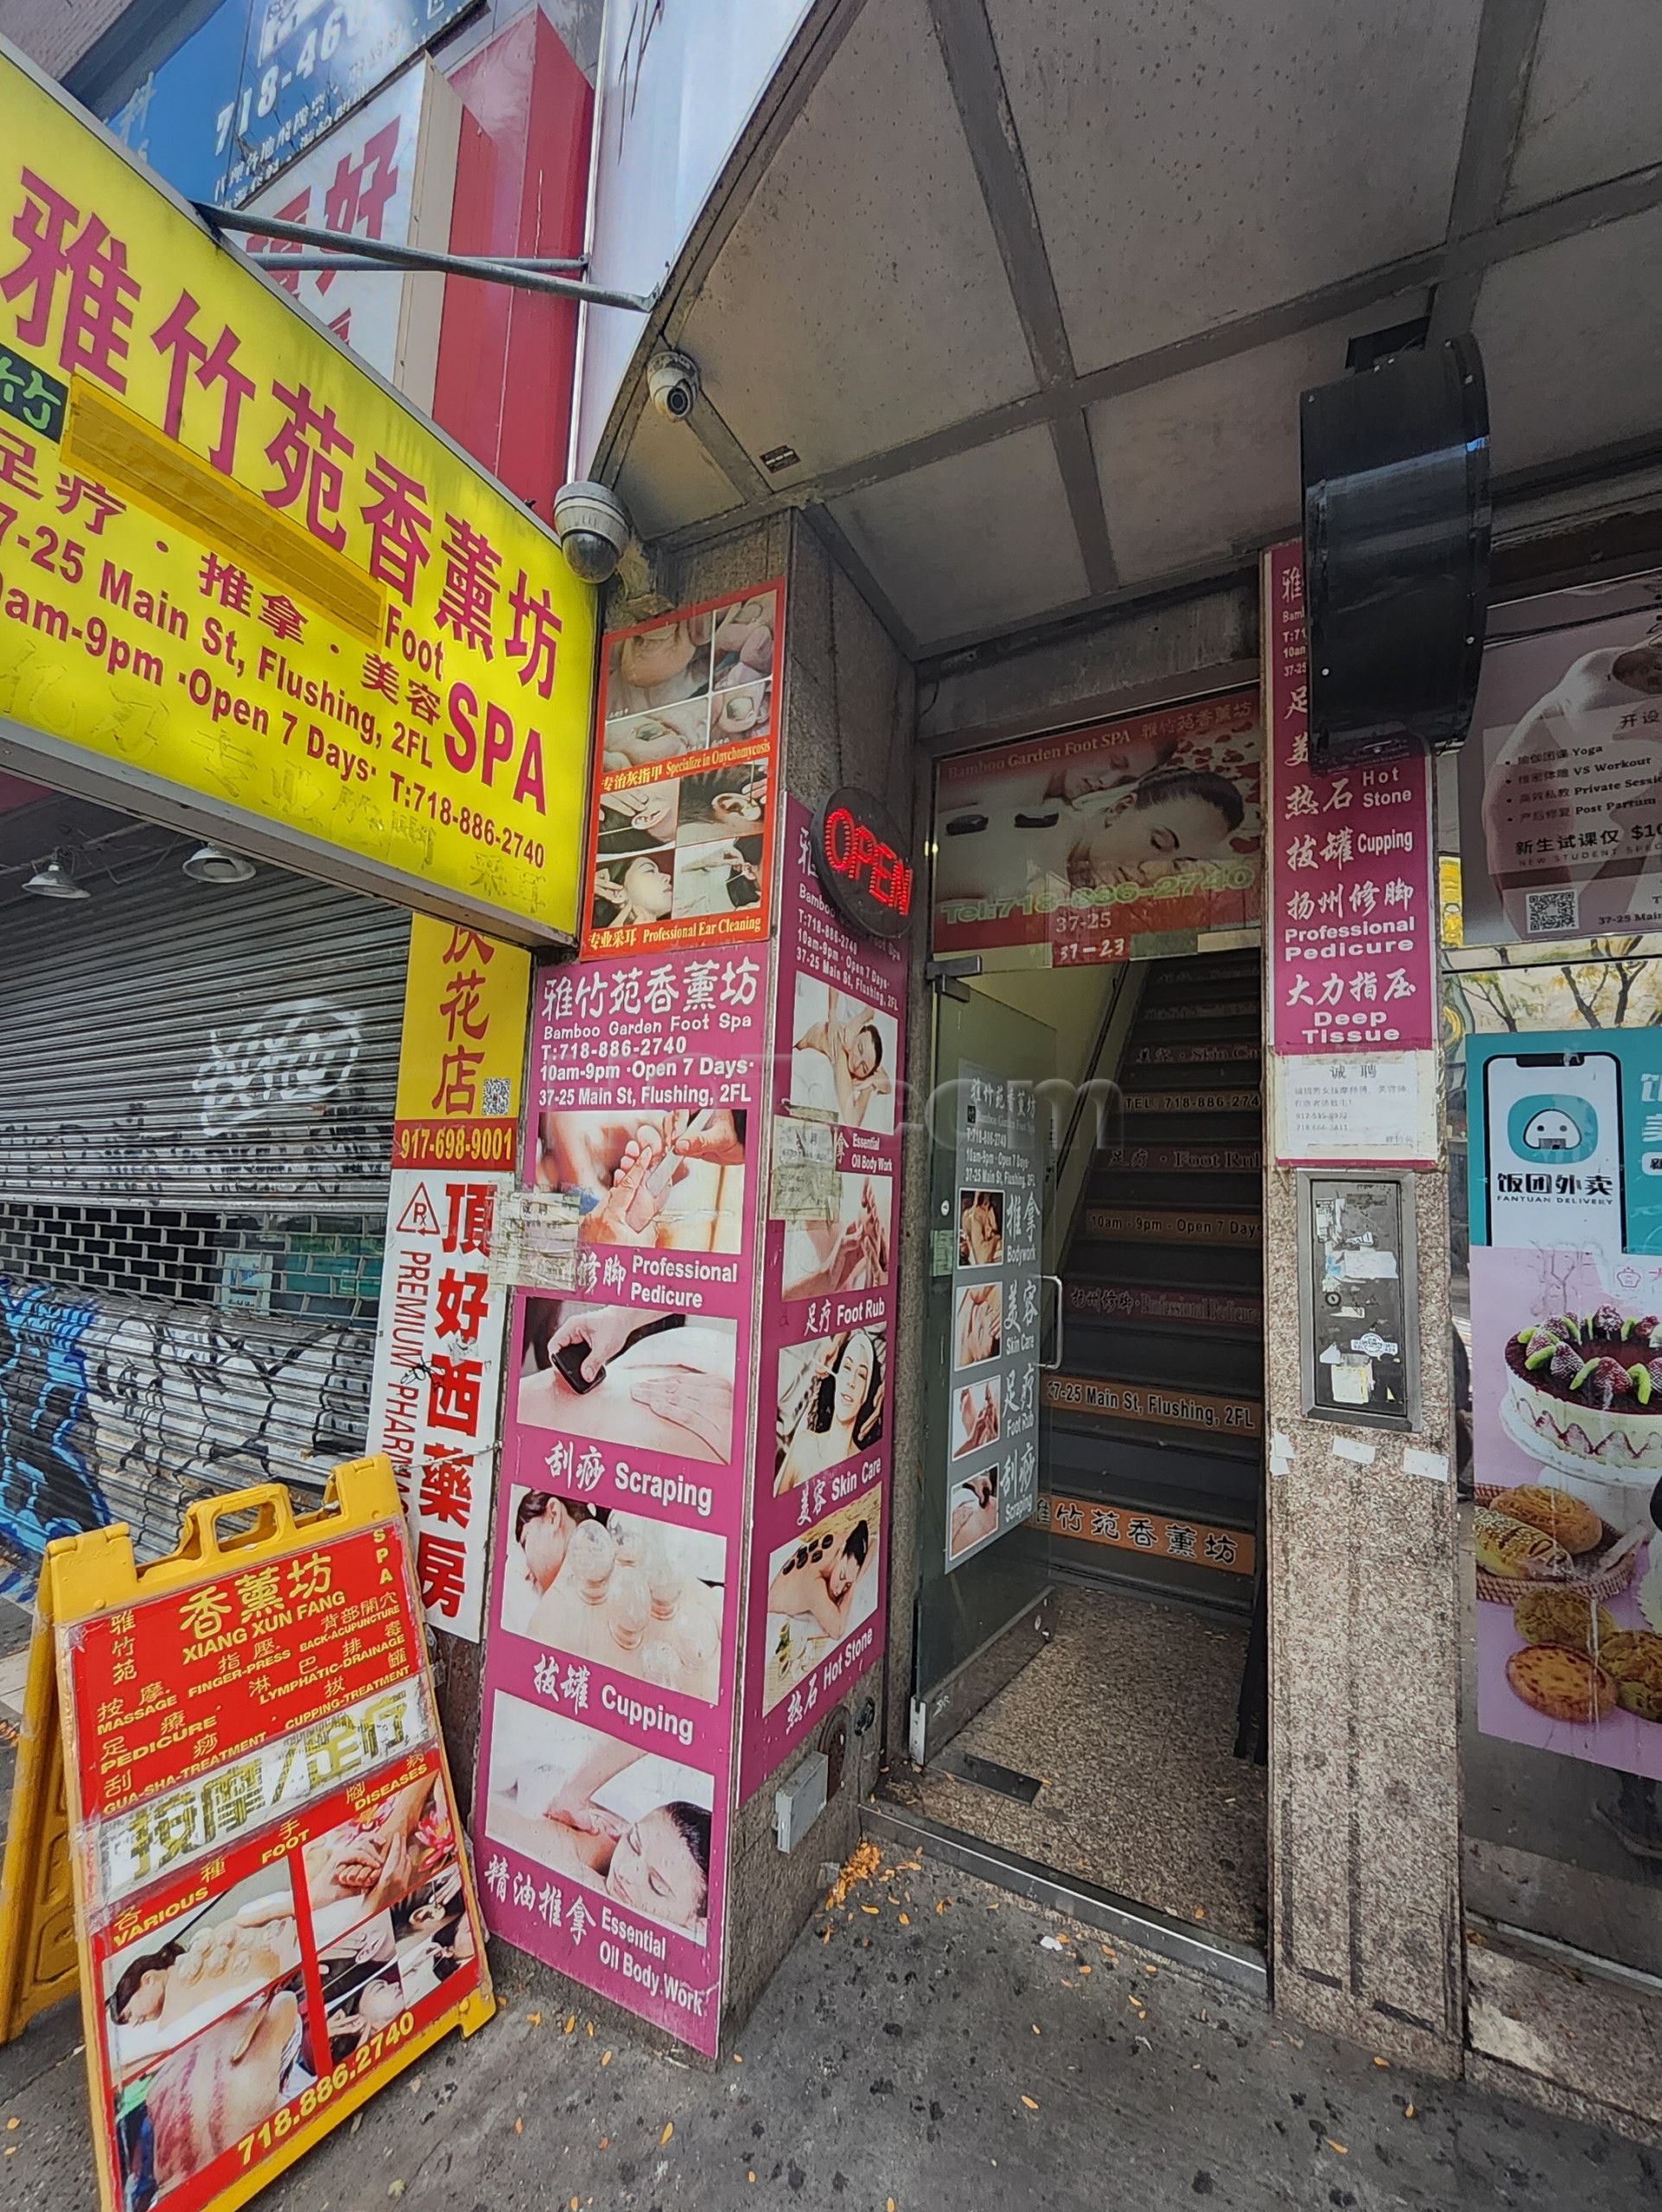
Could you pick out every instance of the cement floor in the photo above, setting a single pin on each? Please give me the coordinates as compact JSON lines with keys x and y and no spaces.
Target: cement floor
{"x":1128,"y":1719}
{"x":923,"y":2046}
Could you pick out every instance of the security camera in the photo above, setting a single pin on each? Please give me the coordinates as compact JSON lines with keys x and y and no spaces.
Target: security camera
{"x":593,"y":528}
{"x":673,"y":380}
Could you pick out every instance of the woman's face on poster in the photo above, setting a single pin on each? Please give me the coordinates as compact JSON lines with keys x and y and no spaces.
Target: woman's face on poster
{"x":1144,"y":844}
{"x":653,"y":1870}
{"x":648,"y":888}
{"x":854,"y":1377}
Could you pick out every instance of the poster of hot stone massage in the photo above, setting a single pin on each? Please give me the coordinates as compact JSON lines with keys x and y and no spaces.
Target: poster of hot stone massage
{"x":1565,"y":1199}
{"x":611,"y":1658}
{"x":820,"y":1531}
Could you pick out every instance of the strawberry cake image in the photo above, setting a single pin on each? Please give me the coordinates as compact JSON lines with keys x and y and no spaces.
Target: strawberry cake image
{"x":1585,"y":1399}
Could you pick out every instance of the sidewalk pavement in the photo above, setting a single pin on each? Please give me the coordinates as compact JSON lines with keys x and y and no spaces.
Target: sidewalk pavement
{"x":931,"y":2043}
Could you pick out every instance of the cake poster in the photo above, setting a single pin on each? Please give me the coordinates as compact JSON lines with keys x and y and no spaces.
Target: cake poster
{"x":1566,"y":1231}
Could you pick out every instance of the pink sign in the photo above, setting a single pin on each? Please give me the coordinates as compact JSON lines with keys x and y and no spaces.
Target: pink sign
{"x":819,"y":1542}
{"x":1351,"y":912}
{"x":606,"y":1749}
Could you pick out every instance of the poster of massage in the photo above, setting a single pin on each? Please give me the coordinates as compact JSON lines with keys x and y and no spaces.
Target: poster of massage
{"x":1101,"y":843}
{"x":610,"y":1653}
{"x":681,"y":834}
{"x":823,"y":1379}
{"x":1566,"y":1276}
{"x":276,"y":1912}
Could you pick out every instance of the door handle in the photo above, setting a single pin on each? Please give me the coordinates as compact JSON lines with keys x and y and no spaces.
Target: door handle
{"x":1049,"y":1366}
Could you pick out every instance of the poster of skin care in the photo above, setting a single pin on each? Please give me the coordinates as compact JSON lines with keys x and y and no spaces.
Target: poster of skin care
{"x":1566,"y":1274}
{"x":681,"y":837}
{"x":818,"y":1539}
{"x":1102,"y":843}
{"x":610,"y":1655}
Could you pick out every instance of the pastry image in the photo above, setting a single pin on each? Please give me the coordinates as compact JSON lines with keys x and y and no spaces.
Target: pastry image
{"x":1516,"y":1552}
{"x":1565,"y":1617}
{"x":1632,"y":1659}
{"x":1564,"y":1685}
{"x":1569,"y":1520}
{"x":1586,"y":1393}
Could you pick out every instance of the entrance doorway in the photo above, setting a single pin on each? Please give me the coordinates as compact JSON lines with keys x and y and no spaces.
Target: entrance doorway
{"x":1089,"y":1543}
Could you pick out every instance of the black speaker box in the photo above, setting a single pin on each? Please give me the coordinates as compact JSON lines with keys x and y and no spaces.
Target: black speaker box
{"x":1395,"y":463}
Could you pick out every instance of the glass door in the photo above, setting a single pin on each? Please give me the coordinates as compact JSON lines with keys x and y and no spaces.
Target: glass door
{"x":991,"y":1311}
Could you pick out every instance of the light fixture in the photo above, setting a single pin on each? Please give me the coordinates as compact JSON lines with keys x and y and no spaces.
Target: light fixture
{"x":212,"y":864}
{"x":52,"y":879}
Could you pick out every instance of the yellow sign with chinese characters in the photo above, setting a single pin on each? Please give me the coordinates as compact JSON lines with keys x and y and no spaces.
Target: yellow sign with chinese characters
{"x":467,"y":1008}
{"x":234,"y":569}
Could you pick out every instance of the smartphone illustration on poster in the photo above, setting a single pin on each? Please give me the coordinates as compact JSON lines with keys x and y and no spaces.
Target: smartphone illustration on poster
{"x":1552,"y":1123}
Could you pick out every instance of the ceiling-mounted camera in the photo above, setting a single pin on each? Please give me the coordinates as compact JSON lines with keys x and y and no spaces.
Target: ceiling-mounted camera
{"x":672,"y":382}
{"x":592,"y":525}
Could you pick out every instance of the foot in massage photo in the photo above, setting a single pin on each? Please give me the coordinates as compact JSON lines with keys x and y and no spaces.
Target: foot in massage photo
{"x":645,"y":1167}
{"x":659,"y":1382}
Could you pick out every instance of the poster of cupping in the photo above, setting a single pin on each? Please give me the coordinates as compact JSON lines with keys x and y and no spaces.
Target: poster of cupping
{"x":1566,"y":1273}
{"x":992,"y":1429}
{"x":1101,"y":843}
{"x":681,"y":834}
{"x":611,"y":1657}
{"x":819,"y":1555}
{"x":1561,"y":779}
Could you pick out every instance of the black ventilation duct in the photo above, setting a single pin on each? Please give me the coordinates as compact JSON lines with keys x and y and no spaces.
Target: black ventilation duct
{"x":1395,"y":465}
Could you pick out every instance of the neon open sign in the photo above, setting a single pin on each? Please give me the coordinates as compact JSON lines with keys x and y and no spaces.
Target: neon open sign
{"x":859,"y":859}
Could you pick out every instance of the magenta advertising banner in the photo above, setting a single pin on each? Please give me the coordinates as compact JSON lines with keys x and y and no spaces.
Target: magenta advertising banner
{"x":606,"y":1749}
{"x":818,"y":1542}
{"x":1350,"y":910}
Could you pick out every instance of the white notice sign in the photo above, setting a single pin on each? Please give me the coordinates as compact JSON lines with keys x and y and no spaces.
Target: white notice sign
{"x":1359,"y":1110}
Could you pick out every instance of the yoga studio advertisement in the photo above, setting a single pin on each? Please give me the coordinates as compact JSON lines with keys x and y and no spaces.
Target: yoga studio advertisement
{"x":817,"y":1555}
{"x":607,"y":1736}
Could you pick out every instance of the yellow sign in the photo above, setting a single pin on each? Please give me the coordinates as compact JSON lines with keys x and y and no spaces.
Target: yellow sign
{"x":467,"y":1007}
{"x":235,"y":568}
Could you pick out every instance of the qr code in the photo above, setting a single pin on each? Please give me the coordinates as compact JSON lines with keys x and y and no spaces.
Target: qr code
{"x":1551,"y":913}
{"x":493,"y":1095}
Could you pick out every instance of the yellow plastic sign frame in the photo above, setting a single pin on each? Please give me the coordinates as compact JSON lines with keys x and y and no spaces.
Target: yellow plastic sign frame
{"x":92,"y":1574}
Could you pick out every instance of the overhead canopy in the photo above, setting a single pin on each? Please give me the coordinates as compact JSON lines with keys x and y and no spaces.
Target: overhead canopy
{"x":1029,"y":289}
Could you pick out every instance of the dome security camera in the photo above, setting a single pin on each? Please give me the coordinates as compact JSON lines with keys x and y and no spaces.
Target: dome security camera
{"x":672,"y":382}
{"x":593,"y":527}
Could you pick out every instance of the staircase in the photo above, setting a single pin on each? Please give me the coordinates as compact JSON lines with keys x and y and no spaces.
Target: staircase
{"x":1153,"y":1422}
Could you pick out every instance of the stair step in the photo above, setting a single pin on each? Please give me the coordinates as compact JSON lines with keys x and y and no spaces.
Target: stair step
{"x":1195,"y":1051}
{"x":1159,"y":1305}
{"x":1135,"y":1225}
{"x":1179,"y":1159}
{"x":1165,"y":1014}
{"x":1210,"y":1098}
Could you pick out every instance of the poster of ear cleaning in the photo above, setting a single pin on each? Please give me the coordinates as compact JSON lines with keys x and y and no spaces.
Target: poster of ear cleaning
{"x":611,"y":1653}
{"x":1102,"y":843}
{"x":1566,"y":1284}
{"x":681,"y":837}
{"x":819,"y":1566}
{"x":1561,"y":779}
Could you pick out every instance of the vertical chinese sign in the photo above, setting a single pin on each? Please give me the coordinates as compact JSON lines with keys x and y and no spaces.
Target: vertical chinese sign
{"x":825,"y":1380}
{"x":1350,"y":921}
{"x":438,"y":1348}
{"x":607,"y":1742}
{"x":682,"y":832}
{"x":273,"y":1902}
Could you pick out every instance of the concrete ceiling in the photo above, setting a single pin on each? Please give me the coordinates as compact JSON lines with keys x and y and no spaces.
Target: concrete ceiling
{"x":1030,"y":288}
